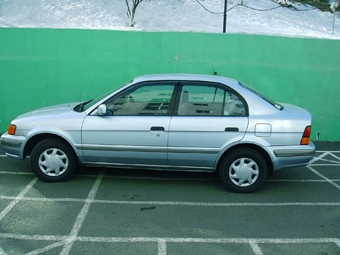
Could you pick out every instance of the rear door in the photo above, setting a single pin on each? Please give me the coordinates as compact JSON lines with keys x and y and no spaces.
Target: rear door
{"x":208,"y":116}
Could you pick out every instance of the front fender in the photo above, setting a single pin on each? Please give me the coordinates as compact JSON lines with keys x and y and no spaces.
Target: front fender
{"x":72,"y":137}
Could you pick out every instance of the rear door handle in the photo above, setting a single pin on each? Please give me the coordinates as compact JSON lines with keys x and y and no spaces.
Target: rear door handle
{"x":157,"y":129}
{"x":231,"y":129}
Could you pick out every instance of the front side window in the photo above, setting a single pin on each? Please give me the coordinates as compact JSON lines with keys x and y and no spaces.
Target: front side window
{"x":145,"y":100}
{"x":208,"y":100}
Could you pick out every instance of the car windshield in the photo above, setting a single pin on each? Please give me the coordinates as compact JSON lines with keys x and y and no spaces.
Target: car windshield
{"x":83,"y":106}
{"x":277,"y":105}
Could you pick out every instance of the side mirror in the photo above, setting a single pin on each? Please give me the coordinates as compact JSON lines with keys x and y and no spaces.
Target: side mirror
{"x":102,"y":110}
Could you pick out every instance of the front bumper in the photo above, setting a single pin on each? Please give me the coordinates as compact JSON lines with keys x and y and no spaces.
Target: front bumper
{"x":292,"y":156}
{"x":13,"y":145}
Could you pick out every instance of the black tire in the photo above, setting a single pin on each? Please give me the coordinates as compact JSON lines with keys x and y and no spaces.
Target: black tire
{"x":53,"y":160}
{"x":243,"y":170}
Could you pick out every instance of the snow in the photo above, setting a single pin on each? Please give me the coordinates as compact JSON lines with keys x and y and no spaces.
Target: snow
{"x":172,"y":15}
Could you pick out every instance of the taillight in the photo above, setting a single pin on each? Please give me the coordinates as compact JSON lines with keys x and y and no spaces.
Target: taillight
{"x":11,"y":129}
{"x":306,"y":136}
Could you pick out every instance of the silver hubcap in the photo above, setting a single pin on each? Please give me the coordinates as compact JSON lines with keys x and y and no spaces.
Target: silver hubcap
{"x":244,"y":172}
{"x":53,"y":162}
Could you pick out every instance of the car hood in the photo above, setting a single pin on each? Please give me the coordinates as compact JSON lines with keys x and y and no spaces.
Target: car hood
{"x":51,"y":110}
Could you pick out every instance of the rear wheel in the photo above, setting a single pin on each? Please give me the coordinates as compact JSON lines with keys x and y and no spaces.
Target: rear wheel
{"x":243,"y":170}
{"x":53,"y":160}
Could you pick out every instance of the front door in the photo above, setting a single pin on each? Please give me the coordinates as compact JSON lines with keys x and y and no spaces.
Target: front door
{"x":135,"y":129}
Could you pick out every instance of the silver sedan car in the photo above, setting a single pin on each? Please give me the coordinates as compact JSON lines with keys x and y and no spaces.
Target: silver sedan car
{"x":167,"y":122}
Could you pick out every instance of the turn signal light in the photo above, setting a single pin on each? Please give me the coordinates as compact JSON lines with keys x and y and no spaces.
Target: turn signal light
{"x":306,"y":136}
{"x":11,"y":129}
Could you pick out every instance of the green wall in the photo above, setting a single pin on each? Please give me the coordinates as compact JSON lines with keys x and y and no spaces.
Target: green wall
{"x":40,"y":67}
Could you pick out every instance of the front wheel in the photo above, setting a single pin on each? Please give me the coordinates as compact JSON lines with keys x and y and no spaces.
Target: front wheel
{"x":53,"y":160}
{"x":243,"y":170}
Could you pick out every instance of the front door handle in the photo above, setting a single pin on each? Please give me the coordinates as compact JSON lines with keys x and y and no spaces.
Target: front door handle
{"x":157,"y":129}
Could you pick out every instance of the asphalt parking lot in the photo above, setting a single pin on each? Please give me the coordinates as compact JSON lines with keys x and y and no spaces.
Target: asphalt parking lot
{"x":108,"y":211}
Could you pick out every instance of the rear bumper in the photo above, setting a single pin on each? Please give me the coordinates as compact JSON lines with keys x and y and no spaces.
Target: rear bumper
{"x":294,"y":153}
{"x":292,"y":156}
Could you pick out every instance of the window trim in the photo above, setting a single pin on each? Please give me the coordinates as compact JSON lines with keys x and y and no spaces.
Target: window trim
{"x":217,"y":85}
{"x":139,"y":85}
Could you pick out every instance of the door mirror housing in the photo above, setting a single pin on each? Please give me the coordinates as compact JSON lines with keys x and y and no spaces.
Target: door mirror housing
{"x":102,"y":110}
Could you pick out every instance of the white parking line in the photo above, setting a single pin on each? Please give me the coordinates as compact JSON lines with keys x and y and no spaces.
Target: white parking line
{"x":306,"y":180}
{"x":2,"y":252}
{"x":202,"y":204}
{"x":46,"y":248}
{"x":16,"y":173}
{"x":318,"y":157}
{"x":162,"y":242}
{"x":68,"y":241}
{"x":173,"y":239}
{"x":324,"y":177}
{"x":337,"y":242}
{"x":172,"y":203}
{"x":18,"y":198}
{"x":82,"y":214}
{"x":335,"y":156}
{"x":162,"y":247}
{"x":322,"y":156}
{"x":256,"y":248}
{"x":33,"y":237}
{"x":338,"y":164}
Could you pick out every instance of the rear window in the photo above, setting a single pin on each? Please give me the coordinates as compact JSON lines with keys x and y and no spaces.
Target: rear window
{"x":259,"y":94}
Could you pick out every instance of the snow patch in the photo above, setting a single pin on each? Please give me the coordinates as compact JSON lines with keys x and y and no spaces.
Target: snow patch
{"x":172,"y":15}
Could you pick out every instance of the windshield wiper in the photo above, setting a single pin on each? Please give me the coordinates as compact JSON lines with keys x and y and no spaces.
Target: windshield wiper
{"x":80,"y":107}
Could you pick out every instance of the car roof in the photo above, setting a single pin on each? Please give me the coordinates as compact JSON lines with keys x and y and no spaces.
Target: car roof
{"x":185,"y":77}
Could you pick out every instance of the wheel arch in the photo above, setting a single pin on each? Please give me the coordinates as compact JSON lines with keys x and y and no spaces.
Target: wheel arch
{"x":255,"y":147}
{"x":34,"y":140}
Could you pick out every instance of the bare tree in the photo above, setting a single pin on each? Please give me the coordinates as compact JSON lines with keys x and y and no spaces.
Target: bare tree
{"x":132,"y":6}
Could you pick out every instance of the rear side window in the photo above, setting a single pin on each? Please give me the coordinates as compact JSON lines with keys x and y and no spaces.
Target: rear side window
{"x":275,"y":104}
{"x":209,"y":100}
